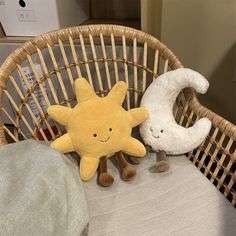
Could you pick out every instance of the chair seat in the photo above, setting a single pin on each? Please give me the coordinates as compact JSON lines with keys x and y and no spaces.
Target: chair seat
{"x":181,"y":201}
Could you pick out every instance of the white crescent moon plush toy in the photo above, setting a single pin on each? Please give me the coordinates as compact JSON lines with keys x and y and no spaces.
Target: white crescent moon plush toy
{"x":160,"y":130}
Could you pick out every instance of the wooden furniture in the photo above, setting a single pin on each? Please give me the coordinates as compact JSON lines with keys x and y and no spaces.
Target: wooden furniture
{"x":116,"y":12}
{"x":215,"y":158}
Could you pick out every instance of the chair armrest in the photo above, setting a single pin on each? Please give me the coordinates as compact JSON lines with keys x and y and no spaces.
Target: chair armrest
{"x":216,"y":156}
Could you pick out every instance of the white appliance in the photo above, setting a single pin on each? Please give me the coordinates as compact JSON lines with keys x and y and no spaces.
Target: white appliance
{"x":34,"y":17}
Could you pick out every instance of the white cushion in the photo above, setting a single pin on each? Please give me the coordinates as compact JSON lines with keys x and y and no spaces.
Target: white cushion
{"x":180,"y":202}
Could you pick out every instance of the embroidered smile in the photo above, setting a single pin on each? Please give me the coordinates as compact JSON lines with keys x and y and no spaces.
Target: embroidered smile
{"x":103,"y":141}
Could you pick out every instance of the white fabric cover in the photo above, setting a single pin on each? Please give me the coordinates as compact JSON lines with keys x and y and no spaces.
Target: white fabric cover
{"x":179,"y":202}
{"x":40,"y":192}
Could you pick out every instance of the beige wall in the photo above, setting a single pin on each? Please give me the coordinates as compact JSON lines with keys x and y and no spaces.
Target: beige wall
{"x":115,"y":9}
{"x":151,"y":11}
{"x":202,"y":33}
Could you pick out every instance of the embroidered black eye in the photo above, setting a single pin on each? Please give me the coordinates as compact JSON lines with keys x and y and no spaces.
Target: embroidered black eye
{"x":110,"y":129}
{"x":162,"y":131}
{"x":94,"y":135}
{"x":151,"y":129}
{"x":22,"y":3}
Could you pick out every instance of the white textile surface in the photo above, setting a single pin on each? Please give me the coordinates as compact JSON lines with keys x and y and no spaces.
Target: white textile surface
{"x":180,"y":202}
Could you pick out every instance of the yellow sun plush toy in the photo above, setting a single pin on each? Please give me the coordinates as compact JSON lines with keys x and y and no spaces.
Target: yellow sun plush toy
{"x":97,"y":127}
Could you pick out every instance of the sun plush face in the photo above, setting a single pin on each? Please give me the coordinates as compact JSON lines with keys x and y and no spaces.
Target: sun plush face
{"x":97,"y":126}
{"x":104,"y":131}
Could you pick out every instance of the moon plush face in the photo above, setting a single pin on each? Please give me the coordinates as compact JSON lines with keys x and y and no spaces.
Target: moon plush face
{"x":98,"y":127}
{"x":160,"y":130}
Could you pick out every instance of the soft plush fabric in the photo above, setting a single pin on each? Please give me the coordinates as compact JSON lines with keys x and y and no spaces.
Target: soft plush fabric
{"x":97,"y":126}
{"x":40,"y":192}
{"x":180,"y":202}
{"x":160,"y":130}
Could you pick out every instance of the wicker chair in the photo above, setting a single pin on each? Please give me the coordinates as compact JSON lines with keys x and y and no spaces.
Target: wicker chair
{"x":93,"y":51}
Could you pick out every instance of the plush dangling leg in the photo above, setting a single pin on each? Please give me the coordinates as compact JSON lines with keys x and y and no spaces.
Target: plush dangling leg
{"x":162,"y":165}
{"x":105,"y":179}
{"x":135,"y":160}
{"x":127,"y":171}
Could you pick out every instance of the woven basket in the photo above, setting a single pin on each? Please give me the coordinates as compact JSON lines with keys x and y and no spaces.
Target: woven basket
{"x":104,"y":54}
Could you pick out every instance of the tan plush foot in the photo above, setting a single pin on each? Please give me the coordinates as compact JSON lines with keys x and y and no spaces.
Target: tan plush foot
{"x":106,"y":180}
{"x":128,"y":173}
{"x":162,"y":166}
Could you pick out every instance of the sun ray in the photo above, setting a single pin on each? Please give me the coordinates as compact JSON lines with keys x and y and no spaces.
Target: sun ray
{"x":134,"y":148}
{"x":88,"y":167}
{"x":60,"y":114}
{"x":63,"y":144}
{"x":118,"y":93}
{"x":138,"y":115}
{"x":83,"y":90}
